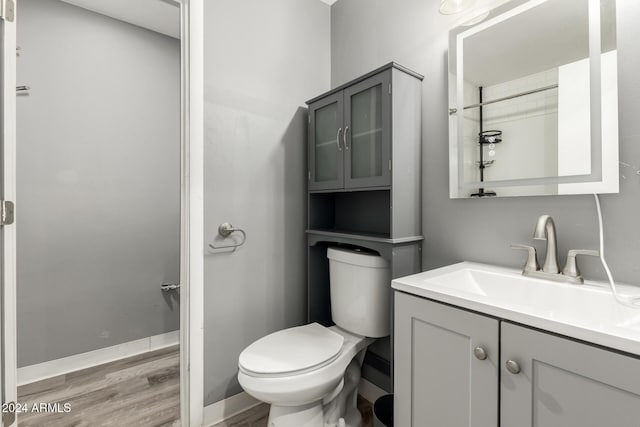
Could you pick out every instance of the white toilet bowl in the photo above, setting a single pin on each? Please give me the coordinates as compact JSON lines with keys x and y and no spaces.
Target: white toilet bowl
{"x":299,"y":387}
{"x":310,"y":374}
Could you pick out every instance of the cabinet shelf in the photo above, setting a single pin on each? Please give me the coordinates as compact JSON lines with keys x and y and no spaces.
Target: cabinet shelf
{"x":325,"y":143}
{"x":366,"y":133}
{"x":368,"y":237}
{"x":350,"y":190}
{"x":353,"y":136}
{"x":366,"y":213}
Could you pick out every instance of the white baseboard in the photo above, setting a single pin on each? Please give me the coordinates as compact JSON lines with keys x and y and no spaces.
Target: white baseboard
{"x":227,"y":408}
{"x":370,"y":391}
{"x":52,"y":368}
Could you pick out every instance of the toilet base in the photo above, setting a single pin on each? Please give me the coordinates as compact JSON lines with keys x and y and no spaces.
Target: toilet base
{"x":310,"y":415}
{"x":340,"y":411}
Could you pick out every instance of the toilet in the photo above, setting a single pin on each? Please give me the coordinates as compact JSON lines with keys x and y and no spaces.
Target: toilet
{"x":309,"y":374}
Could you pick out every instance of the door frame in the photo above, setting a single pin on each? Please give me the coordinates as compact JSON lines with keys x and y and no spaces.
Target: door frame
{"x":191,"y":211}
{"x":8,"y":357}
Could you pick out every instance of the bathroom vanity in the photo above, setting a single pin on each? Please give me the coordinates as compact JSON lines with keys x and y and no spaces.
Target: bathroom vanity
{"x":478,"y":345}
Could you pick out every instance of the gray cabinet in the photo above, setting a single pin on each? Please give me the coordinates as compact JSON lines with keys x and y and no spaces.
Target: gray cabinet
{"x":326,"y":131}
{"x":539,"y":379}
{"x":438,"y":379}
{"x":367,"y":107}
{"x":566,"y":383}
{"x":351,"y":129}
{"x":364,"y":186}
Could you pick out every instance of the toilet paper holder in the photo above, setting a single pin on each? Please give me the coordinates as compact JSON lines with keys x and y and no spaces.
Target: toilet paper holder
{"x":225,"y":230}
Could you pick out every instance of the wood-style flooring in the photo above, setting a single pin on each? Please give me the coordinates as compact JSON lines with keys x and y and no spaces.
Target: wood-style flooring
{"x":142,"y":390}
{"x":259,"y":415}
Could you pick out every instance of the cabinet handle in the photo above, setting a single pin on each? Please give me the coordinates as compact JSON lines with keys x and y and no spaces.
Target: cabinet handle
{"x":480,"y":353}
{"x":513,"y":366}
{"x":338,"y":139}
{"x":344,"y":138}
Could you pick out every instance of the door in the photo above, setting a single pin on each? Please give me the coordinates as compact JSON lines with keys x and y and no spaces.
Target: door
{"x":7,"y":193}
{"x":190,"y":230}
{"x":446,"y":365}
{"x":326,"y":143}
{"x":565,"y":383}
{"x":367,"y":132}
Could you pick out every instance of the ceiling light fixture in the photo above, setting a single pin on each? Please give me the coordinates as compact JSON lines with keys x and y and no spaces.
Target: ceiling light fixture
{"x":450,"y":7}
{"x":476,"y":20}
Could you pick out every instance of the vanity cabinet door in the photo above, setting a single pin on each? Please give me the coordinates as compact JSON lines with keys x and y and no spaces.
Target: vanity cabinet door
{"x":326,"y":143}
{"x":438,"y":381}
{"x":565,"y":383}
{"x":368,"y":132}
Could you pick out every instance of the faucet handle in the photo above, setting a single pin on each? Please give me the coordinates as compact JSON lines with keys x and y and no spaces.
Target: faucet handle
{"x":571,"y":267}
{"x":532,"y":258}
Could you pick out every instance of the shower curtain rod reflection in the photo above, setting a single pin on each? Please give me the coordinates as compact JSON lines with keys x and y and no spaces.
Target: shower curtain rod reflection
{"x":506,"y":98}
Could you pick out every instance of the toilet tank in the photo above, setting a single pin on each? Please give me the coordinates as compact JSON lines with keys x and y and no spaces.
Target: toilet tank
{"x":360,"y":291}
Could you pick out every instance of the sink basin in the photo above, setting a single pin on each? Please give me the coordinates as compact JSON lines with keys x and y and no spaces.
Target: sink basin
{"x":588,"y":312}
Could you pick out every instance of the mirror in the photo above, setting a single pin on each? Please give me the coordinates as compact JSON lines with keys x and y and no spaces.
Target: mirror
{"x":533,"y":100}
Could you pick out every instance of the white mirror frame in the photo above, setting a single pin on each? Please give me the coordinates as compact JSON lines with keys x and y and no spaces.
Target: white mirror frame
{"x":596,"y":181}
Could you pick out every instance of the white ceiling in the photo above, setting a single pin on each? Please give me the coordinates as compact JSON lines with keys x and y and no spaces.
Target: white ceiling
{"x":162,"y":16}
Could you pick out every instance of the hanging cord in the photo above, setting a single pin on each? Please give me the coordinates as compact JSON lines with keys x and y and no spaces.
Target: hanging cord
{"x":622,"y":299}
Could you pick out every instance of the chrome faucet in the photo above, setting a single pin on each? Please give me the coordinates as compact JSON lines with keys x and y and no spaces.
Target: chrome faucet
{"x":546,"y":230}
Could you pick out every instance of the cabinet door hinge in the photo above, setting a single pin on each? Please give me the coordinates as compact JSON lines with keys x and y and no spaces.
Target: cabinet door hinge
{"x":309,"y":175}
{"x":389,"y":164}
{"x":389,"y":88}
{"x":9,"y":416}
{"x":7,"y":210}
{"x":309,"y":118}
{"x":7,"y":10}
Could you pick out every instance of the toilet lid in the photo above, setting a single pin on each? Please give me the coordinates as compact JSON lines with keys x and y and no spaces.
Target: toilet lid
{"x":291,"y":350}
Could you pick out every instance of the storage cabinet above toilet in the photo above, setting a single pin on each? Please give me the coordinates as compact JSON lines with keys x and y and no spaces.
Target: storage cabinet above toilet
{"x":350,"y":136}
{"x":364,"y":161}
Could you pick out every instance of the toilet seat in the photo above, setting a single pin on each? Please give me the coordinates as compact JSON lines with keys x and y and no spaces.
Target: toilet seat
{"x":291,"y":351}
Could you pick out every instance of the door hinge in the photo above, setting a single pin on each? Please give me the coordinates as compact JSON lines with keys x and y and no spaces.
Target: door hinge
{"x":389,"y":88}
{"x":7,"y":212}
{"x":309,"y":175}
{"x":389,"y":164}
{"x":9,"y":417}
{"x":309,"y":118}
{"x":7,"y":10}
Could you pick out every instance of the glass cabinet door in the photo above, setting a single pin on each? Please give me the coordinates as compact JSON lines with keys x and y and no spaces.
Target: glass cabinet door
{"x":326,"y":144}
{"x":368,"y":132}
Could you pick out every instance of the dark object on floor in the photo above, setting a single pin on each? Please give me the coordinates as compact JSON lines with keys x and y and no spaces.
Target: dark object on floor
{"x":383,"y":411}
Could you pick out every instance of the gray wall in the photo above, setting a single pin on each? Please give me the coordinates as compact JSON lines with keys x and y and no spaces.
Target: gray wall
{"x":98,"y":181}
{"x":368,"y":33}
{"x":262,"y":61}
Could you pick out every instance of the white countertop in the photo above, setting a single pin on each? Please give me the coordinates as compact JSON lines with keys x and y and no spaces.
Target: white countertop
{"x":588,"y":312}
